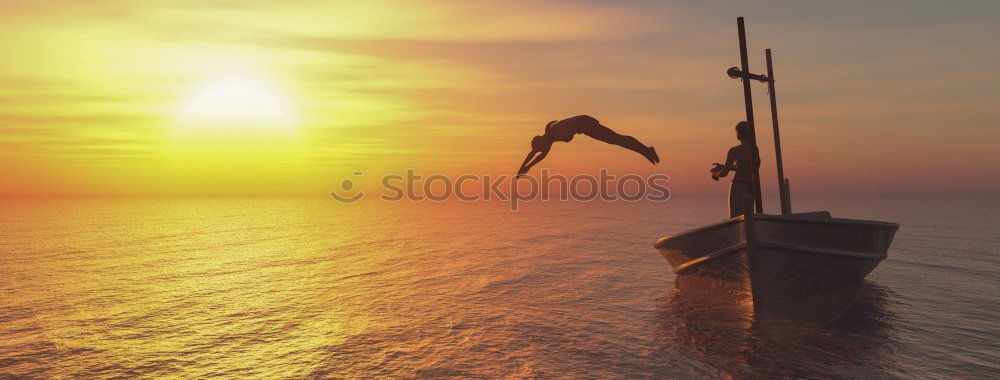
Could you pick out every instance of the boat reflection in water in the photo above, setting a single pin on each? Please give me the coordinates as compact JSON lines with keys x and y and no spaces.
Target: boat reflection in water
{"x":728,"y":339}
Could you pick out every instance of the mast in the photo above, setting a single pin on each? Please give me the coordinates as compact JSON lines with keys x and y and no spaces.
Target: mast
{"x":786,"y":202}
{"x":749,"y":105}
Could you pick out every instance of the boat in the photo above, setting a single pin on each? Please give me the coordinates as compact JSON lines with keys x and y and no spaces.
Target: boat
{"x":808,"y":266}
{"x":805,"y":266}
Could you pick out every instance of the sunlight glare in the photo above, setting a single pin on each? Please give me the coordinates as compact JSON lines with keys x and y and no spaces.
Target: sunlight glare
{"x":236,"y":103}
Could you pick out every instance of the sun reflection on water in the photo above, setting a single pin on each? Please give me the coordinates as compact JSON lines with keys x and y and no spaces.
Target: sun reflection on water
{"x":222,"y":282}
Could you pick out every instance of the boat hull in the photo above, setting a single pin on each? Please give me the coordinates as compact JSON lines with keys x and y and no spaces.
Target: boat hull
{"x":805,"y":266}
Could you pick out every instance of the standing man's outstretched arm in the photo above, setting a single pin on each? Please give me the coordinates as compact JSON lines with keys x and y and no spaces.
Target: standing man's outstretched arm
{"x":723,"y":170}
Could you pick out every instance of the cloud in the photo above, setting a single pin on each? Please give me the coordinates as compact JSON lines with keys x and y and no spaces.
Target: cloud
{"x":434,"y":20}
{"x":446,"y":83}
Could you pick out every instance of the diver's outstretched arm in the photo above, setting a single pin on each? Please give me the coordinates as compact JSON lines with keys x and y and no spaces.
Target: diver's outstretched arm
{"x":523,"y":169}
{"x":527,"y":165}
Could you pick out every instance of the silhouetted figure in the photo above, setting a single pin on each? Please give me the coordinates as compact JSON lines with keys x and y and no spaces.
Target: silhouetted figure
{"x":739,"y":159}
{"x":563,"y":130}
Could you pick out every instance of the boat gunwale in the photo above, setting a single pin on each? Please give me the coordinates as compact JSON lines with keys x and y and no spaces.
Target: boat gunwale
{"x":841,"y":221}
{"x":659,"y":242}
{"x":781,"y":219}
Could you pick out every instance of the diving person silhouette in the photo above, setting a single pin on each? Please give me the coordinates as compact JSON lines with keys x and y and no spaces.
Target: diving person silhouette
{"x":565,"y":129}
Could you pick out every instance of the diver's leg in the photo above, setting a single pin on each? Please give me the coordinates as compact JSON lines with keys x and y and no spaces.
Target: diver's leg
{"x":602,"y":133}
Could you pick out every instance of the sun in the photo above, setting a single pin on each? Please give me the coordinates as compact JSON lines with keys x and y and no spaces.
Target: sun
{"x":230,"y":126}
{"x":236,"y":103}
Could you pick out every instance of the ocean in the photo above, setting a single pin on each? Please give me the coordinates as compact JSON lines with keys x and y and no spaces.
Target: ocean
{"x":295,"y":288}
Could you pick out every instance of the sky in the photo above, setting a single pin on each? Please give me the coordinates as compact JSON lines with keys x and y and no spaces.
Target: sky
{"x":124,"y":98}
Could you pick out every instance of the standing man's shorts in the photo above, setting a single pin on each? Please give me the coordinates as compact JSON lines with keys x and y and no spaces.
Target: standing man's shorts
{"x":740,"y":199}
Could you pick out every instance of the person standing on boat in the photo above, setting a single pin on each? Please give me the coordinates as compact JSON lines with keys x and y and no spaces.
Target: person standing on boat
{"x":744,"y":159}
{"x":565,"y":129}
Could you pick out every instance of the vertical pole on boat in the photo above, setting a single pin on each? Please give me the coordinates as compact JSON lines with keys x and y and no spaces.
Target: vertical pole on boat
{"x":786,"y":202}
{"x":744,"y":65}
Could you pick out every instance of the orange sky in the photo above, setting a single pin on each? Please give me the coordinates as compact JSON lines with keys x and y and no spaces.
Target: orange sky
{"x":874,"y":99}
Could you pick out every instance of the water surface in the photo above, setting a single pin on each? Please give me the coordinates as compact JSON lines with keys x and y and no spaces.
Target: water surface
{"x":309,"y":287}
